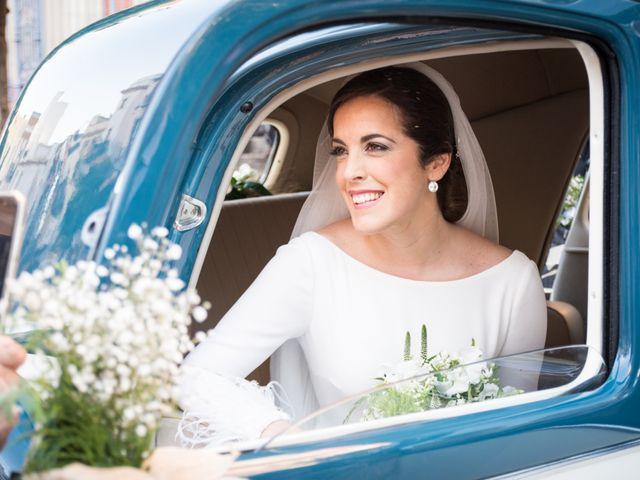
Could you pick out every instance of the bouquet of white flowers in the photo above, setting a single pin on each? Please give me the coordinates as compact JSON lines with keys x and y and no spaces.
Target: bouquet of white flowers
{"x":440,"y":380}
{"x":112,"y":337}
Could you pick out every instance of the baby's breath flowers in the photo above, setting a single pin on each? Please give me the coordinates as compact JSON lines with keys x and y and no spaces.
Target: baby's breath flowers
{"x":114,"y":336}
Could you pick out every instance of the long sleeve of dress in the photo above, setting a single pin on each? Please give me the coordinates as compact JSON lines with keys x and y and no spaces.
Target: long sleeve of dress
{"x":220,"y":406}
{"x":275,"y":308}
{"x":527,"y":328}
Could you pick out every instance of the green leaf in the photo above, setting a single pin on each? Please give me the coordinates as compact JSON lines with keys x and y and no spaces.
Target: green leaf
{"x":407,"y":347}
{"x":257,"y":188}
{"x":423,"y":344}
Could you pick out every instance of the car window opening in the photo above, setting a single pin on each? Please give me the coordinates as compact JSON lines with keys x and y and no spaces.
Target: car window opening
{"x":531,"y":159}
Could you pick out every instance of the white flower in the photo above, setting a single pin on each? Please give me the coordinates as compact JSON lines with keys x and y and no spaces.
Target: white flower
{"x":200,"y":336}
{"x":125,"y":384}
{"x":71,"y":273}
{"x":125,"y":338}
{"x":135,"y":267}
{"x":16,"y":287}
{"x":454,"y":384}
{"x":134,"y":232}
{"x":81,"y":350}
{"x":508,"y":390}
{"x":193,"y":297}
{"x":469,"y":355}
{"x":402,"y":371}
{"x":49,"y":272}
{"x":199,"y":314}
{"x":59,"y":342}
{"x":120,"y":293}
{"x":32,"y":301}
{"x":455,"y":379}
{"x":82,"y":387}
{"x":92,"y":280}
{"x":160,"y":232}
{"x":490,"y":390}
{"x":122,"y":340}
{"x":174,"y":284}
{"x":174,"y":252}
{"x":102,"y":271}
{"x":128,"y":414}
{"x":149,"y":244}
{"x":245,"y":173}
{"x":119,"y":279}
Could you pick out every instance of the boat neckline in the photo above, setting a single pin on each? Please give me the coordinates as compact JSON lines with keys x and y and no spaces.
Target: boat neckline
{"x":475,"y":276}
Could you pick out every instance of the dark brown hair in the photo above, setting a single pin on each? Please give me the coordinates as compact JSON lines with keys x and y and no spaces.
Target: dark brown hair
{"x":426,"y":119}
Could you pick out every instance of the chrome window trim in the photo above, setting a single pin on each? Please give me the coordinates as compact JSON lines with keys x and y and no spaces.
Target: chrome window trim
{"x":595,"y":333}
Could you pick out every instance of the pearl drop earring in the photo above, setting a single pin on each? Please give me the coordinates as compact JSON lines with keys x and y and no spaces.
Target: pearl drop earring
{"x":433,"y":186}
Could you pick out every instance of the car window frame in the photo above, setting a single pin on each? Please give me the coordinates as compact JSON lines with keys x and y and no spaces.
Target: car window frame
{"x":595,"y":326}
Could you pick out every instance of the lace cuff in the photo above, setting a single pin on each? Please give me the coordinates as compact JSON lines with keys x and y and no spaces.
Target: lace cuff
{"x":219,"y":409}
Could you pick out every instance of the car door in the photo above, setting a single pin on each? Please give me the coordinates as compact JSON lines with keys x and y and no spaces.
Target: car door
{"x":234,"y":91}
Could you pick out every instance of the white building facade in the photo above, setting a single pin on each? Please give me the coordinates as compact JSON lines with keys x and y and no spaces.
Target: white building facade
{"x":36,"y":27}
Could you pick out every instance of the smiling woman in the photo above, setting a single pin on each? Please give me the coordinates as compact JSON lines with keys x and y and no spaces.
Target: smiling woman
{"x":401,"y":139}
{"x":338,"y":299}
{"x":428,"y":122}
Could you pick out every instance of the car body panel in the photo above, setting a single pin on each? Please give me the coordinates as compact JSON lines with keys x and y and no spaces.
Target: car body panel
{"x":67,"y":139}
{"x":191,"y":124}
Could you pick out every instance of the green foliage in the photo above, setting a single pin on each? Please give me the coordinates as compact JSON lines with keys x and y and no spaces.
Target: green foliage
{"x":72,"y":426}
{"x":567,"y":213}
{"x":391,"y":402}
{"x":79,"y":429}
{"x":437,"y":381}
{"x":109,"y":341}
{"x":240,"y":189}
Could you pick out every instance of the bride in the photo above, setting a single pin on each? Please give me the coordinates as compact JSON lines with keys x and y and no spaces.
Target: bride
{"x":400,"y":230}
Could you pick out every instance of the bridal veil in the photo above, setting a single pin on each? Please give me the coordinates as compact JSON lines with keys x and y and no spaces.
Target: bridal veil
{"x":325,"y":206}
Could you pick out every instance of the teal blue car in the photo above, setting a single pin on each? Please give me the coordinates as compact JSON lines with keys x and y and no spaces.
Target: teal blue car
{"x":148,"y":115}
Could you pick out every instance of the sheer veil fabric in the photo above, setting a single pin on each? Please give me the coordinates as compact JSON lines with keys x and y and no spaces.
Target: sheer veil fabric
{"x":325,"y":206}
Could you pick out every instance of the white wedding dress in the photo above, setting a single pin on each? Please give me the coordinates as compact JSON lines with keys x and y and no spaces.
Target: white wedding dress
{"x":349,"y":319}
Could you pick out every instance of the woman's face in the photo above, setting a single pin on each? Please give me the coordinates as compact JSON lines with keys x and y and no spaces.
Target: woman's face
{"x":378,"y":169}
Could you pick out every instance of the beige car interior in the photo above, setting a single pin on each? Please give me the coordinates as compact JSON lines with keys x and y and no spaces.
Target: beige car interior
{"x":530,"y":111}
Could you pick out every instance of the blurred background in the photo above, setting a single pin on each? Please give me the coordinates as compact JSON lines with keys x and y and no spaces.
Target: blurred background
{"x":30,"y":29}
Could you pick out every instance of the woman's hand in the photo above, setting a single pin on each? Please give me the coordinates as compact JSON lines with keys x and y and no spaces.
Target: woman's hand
{"x":11,"y":357}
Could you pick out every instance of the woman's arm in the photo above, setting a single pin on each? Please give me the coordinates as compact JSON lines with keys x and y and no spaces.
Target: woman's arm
{"x":527,"y":328}
{"x":275,"y":308}
{"x":219,"y":405}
